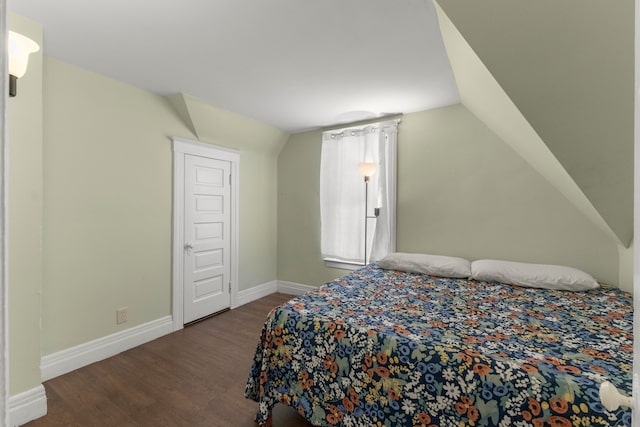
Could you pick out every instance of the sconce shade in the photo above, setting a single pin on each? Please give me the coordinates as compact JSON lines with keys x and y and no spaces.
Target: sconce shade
{"x":20,"y":47}
{"x":367,"y":169}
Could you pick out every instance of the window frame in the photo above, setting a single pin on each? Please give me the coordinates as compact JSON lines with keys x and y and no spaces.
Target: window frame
{"x":391,"y":188}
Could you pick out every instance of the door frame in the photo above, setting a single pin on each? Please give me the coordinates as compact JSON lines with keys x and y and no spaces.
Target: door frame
{"x":182,"y":147}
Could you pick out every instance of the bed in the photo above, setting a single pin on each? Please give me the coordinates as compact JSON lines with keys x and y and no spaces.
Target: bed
{"x":390,"y":348}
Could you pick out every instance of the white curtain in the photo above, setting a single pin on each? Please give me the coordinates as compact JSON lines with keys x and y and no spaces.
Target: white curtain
{"x":342,"y":193}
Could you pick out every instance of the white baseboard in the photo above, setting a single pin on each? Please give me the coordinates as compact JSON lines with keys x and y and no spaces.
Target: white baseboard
{"x":248,"y":295}
{"x":292,"y":288}
{"x":27,"y":406}
{"x":73,"y":358}
{"x":64,"y":361}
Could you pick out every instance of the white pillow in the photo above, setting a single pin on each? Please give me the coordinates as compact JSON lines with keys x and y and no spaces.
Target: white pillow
{"x":435,"y":265}
{"x":532,"y":275}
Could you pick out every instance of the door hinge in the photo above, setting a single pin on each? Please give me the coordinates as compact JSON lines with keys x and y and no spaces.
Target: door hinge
{"x":229,"y":287}
{"x":229,"y":179}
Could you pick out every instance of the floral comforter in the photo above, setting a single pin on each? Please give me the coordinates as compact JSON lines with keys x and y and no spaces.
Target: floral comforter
{"x":387,"y":348}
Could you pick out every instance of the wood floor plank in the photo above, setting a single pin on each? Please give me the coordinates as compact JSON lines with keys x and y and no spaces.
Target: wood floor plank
{"x":193,"y":377}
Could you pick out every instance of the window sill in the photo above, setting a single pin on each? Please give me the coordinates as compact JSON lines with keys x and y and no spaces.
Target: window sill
{"x":342,"y":265}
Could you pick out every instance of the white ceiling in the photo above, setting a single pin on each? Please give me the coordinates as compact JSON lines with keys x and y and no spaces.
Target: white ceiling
{"x":294,"y":64}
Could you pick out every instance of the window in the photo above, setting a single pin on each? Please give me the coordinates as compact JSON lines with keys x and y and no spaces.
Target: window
{"x":344,"y":240}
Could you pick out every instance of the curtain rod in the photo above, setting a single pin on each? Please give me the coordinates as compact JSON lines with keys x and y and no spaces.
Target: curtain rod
{"x":359,"y":128}
{"x":385,"y":118}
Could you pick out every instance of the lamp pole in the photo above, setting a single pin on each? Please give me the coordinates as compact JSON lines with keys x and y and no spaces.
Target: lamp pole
{"x":366,"y":217}
{"x":367,"y":169}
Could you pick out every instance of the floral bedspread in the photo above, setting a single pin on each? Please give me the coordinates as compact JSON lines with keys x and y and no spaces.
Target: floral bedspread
{"x":387,"y":348}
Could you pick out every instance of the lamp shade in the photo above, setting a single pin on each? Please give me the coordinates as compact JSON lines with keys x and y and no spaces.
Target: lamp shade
{"x":367,"y":169}
{"x":20,"y":47}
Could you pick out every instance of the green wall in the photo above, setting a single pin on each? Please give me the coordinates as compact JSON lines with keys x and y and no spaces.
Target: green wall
{"x":25,"y":217}
{"x":108,"y":202}
{"x":461,"y":191}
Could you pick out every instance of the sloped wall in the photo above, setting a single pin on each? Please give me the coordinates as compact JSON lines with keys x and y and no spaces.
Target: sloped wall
{"x":568,"y":67}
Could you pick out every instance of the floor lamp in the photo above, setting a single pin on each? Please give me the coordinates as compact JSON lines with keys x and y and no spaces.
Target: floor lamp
{"x":366,"y":170}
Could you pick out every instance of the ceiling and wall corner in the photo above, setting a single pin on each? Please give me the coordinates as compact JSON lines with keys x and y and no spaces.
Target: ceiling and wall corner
{"x":223,"y":127}
{"x":179,"y":105}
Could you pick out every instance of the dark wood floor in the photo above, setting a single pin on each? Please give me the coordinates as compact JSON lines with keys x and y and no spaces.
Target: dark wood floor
{"x":193,"y":377}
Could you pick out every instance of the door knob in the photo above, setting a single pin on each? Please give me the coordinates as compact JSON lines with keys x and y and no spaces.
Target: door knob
{"x":189,"y":248}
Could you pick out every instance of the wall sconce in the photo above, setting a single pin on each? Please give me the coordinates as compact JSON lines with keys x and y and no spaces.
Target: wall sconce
{"x":20,"y":47}
{"x":366,"y":170}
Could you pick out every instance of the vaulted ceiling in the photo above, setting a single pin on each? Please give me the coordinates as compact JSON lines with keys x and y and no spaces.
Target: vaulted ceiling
{"x":293,"y":64}
{"x":567,"y":66}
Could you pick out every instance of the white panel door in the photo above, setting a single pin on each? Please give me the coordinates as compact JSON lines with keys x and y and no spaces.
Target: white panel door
{"x":207,"y":239}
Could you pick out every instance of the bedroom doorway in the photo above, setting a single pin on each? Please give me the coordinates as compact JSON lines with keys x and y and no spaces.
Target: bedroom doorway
{"x":205,"y":230}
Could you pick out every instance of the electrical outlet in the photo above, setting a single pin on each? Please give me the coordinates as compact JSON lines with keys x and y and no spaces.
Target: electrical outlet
{"x":121,"y":315}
